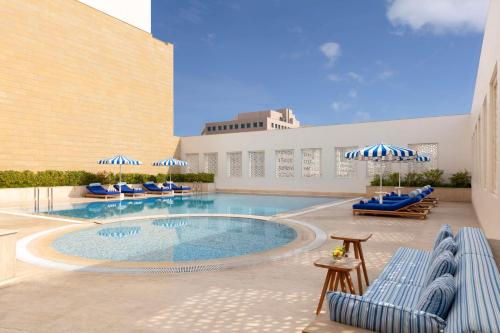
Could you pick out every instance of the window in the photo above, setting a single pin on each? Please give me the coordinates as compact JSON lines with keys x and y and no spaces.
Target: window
{"x":256,"y":160}
{"x":235,"y":126}
{"x":272,"y":125}
{"x":484,"y":140}
{"x":249,"y":125}
{"x":261,"y":124}
{"x":492,"y":119}
{"x":209,"y":128}
{"x":225,"y":127}
{"x":311,"y":163}
{"x":220,"y":128}
{"x":234,"y":165}
{"x":193,"y":163}
{"x":344,"y":168}
{"x":210,"y":163}
{"x":213,"y":128}
{"x":230,"y":127}
{"x":254,"y":124}
{"x":285,"y":167}
{"x":242,"y":125}
{"x":428,"y":149}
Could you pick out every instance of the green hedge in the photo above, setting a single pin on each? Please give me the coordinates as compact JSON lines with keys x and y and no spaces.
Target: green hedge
{"x":9,"y":179}
{"x":434,"y":177}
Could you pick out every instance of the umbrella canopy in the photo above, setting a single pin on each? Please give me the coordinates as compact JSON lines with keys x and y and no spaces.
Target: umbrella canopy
{"x":120,"y":160}
{"x":418,"y":159}
{"x":381,"y":153}
{"x":170,"y":162}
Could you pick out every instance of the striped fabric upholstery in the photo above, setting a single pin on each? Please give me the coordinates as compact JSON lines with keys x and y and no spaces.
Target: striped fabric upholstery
{"x":407,"y":266}
{"x":443,"y":264}
{"x":477,"y":303}
{"x":438,"y":296}
{"x":381,"y":317}
{"x":472,"y":240}
{"x":443,"y":233}
{"x":447,"y":244}
{"x":401,"y":294}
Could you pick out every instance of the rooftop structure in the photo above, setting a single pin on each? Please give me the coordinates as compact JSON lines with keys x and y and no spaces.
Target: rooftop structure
{"x":254,"y":121}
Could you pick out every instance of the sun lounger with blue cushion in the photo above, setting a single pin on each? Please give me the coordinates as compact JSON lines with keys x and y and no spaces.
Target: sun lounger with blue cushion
{"x":129,"y":191}
{"x":152,"y":188}
{"x":177,"y":189}
{"x":409,"y":207}
{"x":95,"y":190}
{"x":425,"y":191}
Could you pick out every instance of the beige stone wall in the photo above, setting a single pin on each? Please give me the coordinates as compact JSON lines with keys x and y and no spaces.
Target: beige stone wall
{"x":77,"y":85}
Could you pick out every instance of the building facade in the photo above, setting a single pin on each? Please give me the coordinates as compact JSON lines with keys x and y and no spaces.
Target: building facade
{"x":80,"y":85}
{"x":254,"y":121}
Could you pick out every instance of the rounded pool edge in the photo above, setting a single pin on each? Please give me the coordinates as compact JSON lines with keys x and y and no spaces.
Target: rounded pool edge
{"x":26,"y":254}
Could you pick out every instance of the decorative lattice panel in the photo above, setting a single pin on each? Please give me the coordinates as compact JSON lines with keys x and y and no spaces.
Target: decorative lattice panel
{"x":234,"y":167}
{"x":210,"y":163}
{"x":344,"y":168}
{"x":375,"y":168}
{"x":285,"y":163}
{"x":256,"y":160}
{"x":311,"y":162}
{"x":193,"y":163}
{"x":428,"y":149}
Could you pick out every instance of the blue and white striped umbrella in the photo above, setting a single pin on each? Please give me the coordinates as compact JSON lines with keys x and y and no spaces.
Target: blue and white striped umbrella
{"x":422,"y":158}
{"x":119,"y":160}
{"x":381,"y":152}
{"x":170,"y":162}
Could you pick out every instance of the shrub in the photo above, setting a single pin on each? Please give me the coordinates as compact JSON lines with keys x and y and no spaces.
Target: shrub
{"x":414,"y":179}
{"x":461,"y":179}
{"x":433,"y":177}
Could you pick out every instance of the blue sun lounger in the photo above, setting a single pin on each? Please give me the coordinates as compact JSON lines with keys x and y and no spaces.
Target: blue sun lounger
{"x":409,"y":207}
{"x":152,"y":188}
{"x":177,"y":189}
{"x":95,"y":190}
{"x":129,"y":191}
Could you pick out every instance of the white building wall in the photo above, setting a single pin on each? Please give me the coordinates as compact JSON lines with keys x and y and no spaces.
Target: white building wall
{"x":134,"y":12}
{"x":486,"y":171}
{"x":450,"y":132}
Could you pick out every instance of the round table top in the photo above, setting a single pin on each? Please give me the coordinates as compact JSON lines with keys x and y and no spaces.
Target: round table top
{"x":353,"y":236}
{"x":344,"y":264}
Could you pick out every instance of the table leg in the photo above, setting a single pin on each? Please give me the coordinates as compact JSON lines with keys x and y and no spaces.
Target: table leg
{"x":358,"y":271}
{"x":349,"y":283}
{"x":337,"y":278}
{"x":360,"y":250}
{"x":323,"y":292}
{"x":342,"y":282}
{"x":332,"y":278}
{"x":347,"y":245}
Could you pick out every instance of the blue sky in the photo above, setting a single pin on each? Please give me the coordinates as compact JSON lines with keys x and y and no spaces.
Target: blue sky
{"x":331,"y":61}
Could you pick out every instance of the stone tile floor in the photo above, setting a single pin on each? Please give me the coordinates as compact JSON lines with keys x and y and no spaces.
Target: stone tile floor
{"x":278,"y":296}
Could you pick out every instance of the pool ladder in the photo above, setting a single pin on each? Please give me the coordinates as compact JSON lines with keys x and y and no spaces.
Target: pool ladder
{"x":36,"y":199}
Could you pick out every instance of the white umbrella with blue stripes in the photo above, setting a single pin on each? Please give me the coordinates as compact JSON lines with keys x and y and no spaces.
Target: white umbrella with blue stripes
{"x":120,"y":160}
{"x":170,"y":162}
{"x":381,"y":153}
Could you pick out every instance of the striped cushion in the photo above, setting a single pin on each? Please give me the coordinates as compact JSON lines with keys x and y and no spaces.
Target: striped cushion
{"x":438,"y":296}
{"x":472,"y":240}
{"x":407,"y":266}
{"x":401,"y":294}
{"x":477,"y":302}
{"x":443,"y":233}
{"x":381,"y":317}
{"x":443,"y":264}
{"x":446,"y":244}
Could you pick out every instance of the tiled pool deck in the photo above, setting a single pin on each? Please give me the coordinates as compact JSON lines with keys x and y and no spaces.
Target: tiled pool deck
{"x":278,"y":296}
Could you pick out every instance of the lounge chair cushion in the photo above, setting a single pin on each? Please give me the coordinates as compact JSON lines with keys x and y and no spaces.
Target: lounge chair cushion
{"x":413,"y":194}
{"x":407,"y":266}
{"x":401,"y":294}
{"x":438,"y":296}
{"x":443,"y":264}
{"x":443,"y":233}
{"x":389,"y":206}
{"x":94,"y":184}
{"x":446,"y":244}
{"x":380,"y":316}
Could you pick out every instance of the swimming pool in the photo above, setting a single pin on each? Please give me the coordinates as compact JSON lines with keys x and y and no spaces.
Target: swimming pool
{"x":175,"y":239}
{"x":213,"y":203}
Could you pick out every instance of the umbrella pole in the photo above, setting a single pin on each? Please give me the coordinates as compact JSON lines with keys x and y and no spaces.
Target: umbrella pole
{"x":399,"y":180}
{"x":380,"y":194}
{"x":120,"y":183}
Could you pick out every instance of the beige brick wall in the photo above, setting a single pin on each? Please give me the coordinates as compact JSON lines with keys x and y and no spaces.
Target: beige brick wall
{"x":77,"y":85}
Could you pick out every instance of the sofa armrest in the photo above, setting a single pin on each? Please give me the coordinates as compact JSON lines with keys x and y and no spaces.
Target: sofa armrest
{"x":381,"y":317}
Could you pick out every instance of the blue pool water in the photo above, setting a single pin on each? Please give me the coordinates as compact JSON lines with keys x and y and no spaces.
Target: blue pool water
{"x":216,"y":203}
{"x":175,"y":239}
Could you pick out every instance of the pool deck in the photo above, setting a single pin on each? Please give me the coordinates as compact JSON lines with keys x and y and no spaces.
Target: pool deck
{"x":278,"y":296}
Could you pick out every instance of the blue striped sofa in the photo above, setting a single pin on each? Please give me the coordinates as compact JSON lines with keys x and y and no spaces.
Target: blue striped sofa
{"x":389,"y":304}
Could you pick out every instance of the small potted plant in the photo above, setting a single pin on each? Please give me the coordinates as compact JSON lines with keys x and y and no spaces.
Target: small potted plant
{"x":338,"y":253}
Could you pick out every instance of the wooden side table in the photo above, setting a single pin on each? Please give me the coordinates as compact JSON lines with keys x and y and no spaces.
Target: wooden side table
{"x":356,"y":240}
{"x":338,"y":273}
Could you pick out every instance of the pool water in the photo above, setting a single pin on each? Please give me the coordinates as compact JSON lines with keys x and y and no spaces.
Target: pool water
{"x":215,"y":203}
{"x":175,"y":239}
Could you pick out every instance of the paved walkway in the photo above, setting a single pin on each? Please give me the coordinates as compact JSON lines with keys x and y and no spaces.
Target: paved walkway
{"x":278,"y":296}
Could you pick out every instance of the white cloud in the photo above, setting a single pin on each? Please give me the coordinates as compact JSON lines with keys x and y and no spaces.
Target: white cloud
{"x":353,"y":93}
{"x":331,"y":51}
{"x":339,"y":106}
{"x":439,"y":16}
{"x":360,"y":116}
{"x":334,"y":77}
{"x":386,"y":74}
{"x":355,"y":77}
{"x":210,"y":38}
